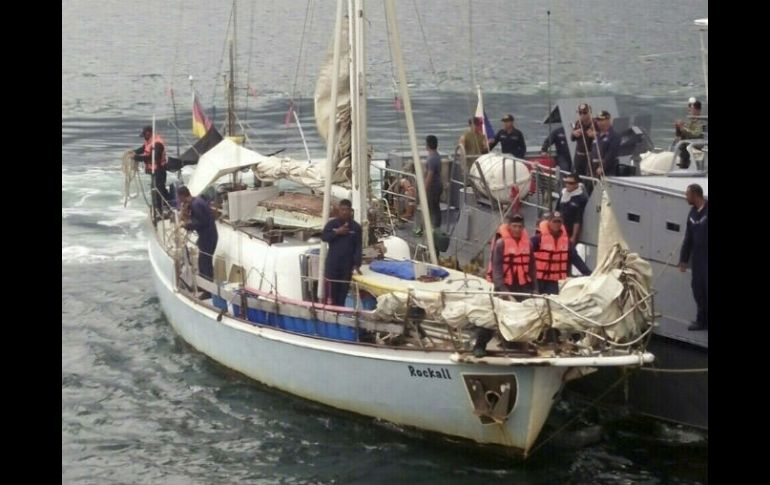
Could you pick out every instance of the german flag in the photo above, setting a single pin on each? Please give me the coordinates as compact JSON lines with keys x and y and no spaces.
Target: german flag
{"x":200,"y":123}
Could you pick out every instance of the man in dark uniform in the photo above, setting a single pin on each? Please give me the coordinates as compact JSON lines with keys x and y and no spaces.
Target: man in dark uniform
{"x":559,"y":138}
{"x":604,"y":153}
{"x":583,"y":135}
{"x":201,"y":220}
{"x":433,"y":180}
{"x":572,"y":202}
{"x":554,"y":255}
{"x":695,"y":248}
{"x":511,"y":139}
{"x":144,"y":154}
{"x":344,"y":237}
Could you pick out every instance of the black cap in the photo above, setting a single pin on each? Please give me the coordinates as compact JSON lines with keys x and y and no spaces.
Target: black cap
{"x":604,"y":115}
{"x":556,"y":216}
{"x":146,"y":129}
{"x":517,"y":218}
{"x":508,"y":118}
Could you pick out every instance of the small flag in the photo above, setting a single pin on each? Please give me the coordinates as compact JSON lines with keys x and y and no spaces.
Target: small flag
{"x":287,"y":119}
{"x":397,"y":104}
{"x":252,"y":92}
{"x":200,"y":123}
{"x":489,"y":131}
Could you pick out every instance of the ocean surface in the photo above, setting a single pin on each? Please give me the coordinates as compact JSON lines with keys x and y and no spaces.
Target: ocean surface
{"x":141,"y":406}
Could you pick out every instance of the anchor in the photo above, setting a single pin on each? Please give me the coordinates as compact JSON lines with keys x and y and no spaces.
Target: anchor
{"x":493,"y":396}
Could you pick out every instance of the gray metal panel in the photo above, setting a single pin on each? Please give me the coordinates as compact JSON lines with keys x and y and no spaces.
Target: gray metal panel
{"x":669,"y":185}
{"x":674,"y":301}
{"x":669,"y":221}
{"x":633,"y":209}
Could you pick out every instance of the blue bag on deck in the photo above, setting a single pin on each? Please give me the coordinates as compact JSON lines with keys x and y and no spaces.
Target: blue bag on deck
{"x":403,"y":269}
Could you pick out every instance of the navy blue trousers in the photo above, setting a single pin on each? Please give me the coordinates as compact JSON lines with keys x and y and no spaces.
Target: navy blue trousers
{"x":700,"y":291}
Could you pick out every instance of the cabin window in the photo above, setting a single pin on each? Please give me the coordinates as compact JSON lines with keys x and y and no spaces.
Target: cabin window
{"x":672,"y":226}
{"x":634,"y":217}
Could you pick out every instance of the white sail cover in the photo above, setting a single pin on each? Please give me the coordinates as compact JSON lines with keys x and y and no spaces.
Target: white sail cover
{"x":324,"y":110}
{"x":500,"y":174}
{"x":229,"y":157}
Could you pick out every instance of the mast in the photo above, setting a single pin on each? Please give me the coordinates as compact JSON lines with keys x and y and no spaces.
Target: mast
{"x":231,"y":92}
{"x":330,"y":146}
{"x":703,"y":27}
{"x":395,"y":41}
{"x":359,"y":143}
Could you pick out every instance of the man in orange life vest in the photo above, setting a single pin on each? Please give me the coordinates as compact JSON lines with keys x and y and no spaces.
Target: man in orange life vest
{"x":554,"y":254}
{"x":144,"y":154}
{"x":509,"y":268}
{"x":510,"y":258}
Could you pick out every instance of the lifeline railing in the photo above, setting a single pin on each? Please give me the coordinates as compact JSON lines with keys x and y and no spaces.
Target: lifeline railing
{"x":644,"y":303}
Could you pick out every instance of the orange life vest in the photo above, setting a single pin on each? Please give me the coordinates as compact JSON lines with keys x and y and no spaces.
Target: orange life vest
{"x":148,"y":144}
{"x":552,"y":259}
{"x":516,"y":256}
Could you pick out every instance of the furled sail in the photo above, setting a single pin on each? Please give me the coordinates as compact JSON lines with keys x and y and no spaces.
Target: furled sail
{"x":323,"y":108}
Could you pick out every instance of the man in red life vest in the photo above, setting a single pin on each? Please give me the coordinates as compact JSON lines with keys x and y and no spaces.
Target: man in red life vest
{"x":553,"y":256}
{"x":144,"y":154}
{"x":509,"y":268}
{"x":510,"y":258}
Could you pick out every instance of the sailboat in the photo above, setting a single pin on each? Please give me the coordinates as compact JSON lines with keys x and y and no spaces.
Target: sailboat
{"x":398,"y":350}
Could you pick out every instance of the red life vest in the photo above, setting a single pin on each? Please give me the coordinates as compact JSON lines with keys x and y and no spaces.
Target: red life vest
{"x":552,"y":259}
{"x":148,"y":144}
{"x":516,"y":256}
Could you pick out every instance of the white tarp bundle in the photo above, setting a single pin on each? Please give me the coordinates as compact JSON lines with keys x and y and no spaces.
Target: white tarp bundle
{"x":500,"y":174}
{"x":590,"y":303}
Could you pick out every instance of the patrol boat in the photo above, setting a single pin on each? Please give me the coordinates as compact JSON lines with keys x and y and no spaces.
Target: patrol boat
{"x":650,"y":211}
{"x":399,"y":350}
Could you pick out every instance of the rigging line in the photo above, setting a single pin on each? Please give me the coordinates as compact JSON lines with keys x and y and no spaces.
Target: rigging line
{"x":248,"y":63}
{"x":425,"y":40}
{"x":224,"y":48}
{"x":468,"y":101}
{"x":304,"y":63}
{"x":394,"y":85}
{"x":301,"y":47}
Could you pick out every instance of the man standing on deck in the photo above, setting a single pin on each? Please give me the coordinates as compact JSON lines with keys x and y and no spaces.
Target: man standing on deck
{"x":604,"y":153}
{"x":344,"y":237}
{"x":201,"y":221}
{"x":583,"y":135}
{"x":572,"y":202}
{"x":509,"y":269}
{"x":689,"y":130}
{"x":554,"y":255}
{"x":511,"y":139}
{"x":695,"y":248}
{"x":144,"y":154}
{"x":474,"y":142}
{"x":559,"y":138}
{"x":433,"y":180}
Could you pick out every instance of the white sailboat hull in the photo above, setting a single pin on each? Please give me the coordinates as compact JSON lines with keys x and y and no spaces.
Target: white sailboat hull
{"x":425,"y":390}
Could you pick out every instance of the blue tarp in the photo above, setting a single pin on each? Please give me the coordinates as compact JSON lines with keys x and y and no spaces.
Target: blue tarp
{"x":403,"y":269}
